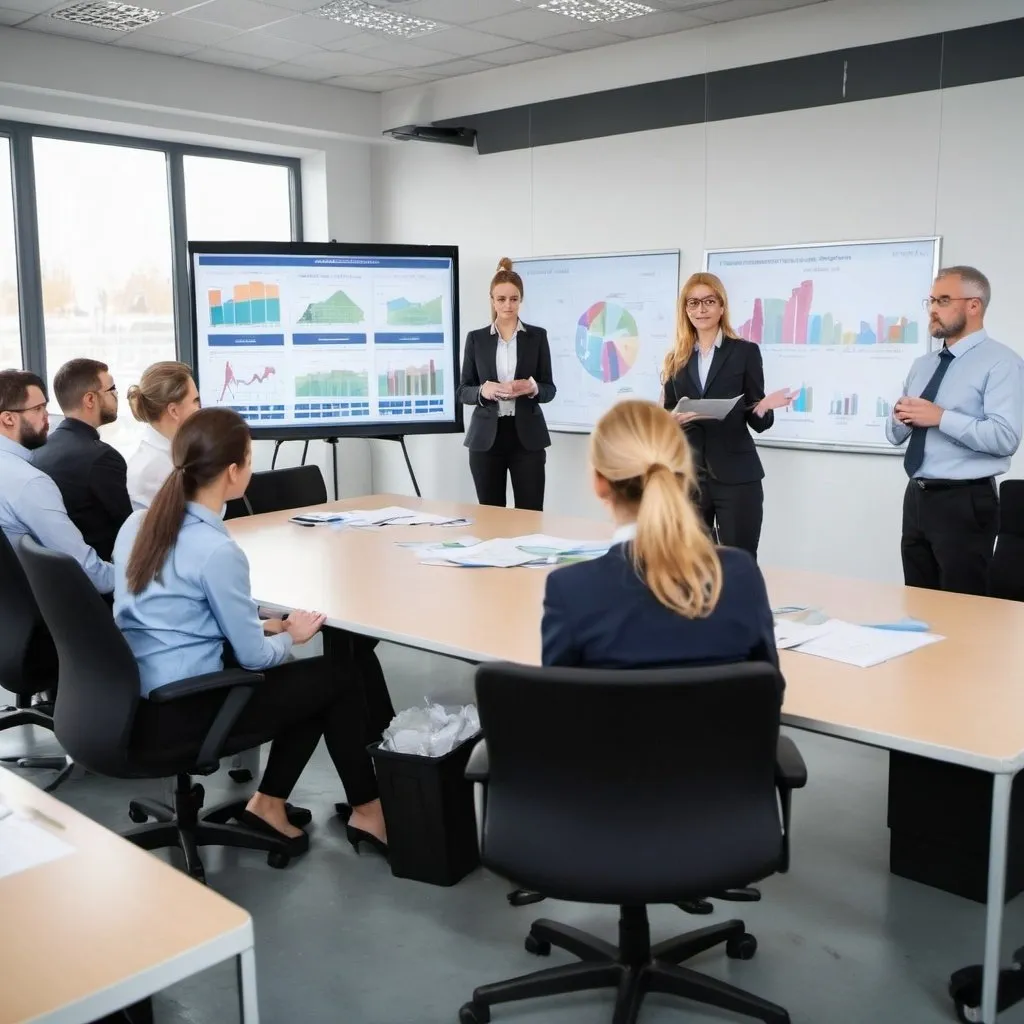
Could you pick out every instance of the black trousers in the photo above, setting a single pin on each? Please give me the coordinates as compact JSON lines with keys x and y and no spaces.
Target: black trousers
{"x":948,"y":536}
{"x":736,"y":509}
{"x":341,"y":696}
{"x":507,"y":457}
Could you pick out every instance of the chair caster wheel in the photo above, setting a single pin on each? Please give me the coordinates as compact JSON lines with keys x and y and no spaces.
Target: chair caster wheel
{"x":538,"y":947}
{"x":742,"y":948}
{"x":198,"y":794}
{"x":240,"y":775}
{"x":696,"y":906}
{"x":524,"y":897}
{"x":138,"y":815}
{"x":474,"y":1013}
{"x":278,"y":860}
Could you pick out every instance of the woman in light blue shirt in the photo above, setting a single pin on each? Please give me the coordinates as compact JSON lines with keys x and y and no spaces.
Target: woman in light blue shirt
{"x":182,"y":599}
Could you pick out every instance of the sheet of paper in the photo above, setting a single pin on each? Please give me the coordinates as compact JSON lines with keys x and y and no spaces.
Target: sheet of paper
{"x":25,"y":844}
{"x":791,"y":634}
{"x":713,"y":408}
{"x":500,"y":553}
{"x":439,"y":546}
{"x":863,"y":646}
{"x":392,"y":515}
{"x":543,"y":544}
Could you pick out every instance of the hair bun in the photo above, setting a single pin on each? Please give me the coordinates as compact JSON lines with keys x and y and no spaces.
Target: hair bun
{"x":504,"y":263}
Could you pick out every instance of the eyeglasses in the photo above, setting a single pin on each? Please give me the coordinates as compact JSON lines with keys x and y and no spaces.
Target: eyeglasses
{"x":28,"y":408}
{"x":943,"y":301}
{"x":708,"y":302}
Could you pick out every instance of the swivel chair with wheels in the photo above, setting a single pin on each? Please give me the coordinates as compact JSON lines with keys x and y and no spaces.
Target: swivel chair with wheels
{"x":607,"y":797}
{"x":95,"y":714}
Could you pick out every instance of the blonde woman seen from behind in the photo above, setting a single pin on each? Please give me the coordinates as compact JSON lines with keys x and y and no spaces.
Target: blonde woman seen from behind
{"x":163,"y":399}
{"x":663,"y":595}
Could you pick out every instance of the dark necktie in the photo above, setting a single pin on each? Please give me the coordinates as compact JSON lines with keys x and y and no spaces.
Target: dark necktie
{"x":913,"y":458}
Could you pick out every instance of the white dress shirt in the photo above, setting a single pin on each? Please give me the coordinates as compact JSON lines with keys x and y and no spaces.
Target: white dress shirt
{"x":149,"y":467}
{"x":506,"y":358}
{"x":704,"y":361}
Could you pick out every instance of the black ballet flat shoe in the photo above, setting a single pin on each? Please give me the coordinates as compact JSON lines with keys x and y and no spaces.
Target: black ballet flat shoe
{"x":300,"y":817}
{"x":356,"y":836}
{"x":343,"y":810}
{"x":294,"y":846}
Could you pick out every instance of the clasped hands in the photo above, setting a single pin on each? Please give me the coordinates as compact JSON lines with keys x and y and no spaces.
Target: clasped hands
{"x":493,"y":391}
{"x":917,"y":412}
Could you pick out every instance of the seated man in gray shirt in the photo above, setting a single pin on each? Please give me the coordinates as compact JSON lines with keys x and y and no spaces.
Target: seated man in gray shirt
{"x":30,"y":502}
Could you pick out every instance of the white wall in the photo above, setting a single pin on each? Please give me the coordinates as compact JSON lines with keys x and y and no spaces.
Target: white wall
{"x":52,"y":80}
{"x":929,"y":163}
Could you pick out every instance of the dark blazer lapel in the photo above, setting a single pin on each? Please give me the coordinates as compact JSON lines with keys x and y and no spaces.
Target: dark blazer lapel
{"x":526,"y":342}
{"x":718,"y":360}
{"x":489,"y":356}
{"x":693,"y":369}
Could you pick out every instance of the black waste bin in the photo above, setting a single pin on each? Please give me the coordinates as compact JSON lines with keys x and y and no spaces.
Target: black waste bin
{"x":428,"y":811}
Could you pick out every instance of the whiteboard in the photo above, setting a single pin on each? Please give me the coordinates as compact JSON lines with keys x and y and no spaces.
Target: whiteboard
{"x":610,"y":320}
{"x":842,"y":322}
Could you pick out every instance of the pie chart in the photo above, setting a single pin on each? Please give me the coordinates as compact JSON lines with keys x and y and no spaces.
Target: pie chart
{"x":607,"y":341}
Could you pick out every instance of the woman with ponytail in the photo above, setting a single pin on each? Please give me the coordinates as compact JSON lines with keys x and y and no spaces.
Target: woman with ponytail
{"x":183,"y":601}
{"x":663,"y":595}
{"x":506,"y":375}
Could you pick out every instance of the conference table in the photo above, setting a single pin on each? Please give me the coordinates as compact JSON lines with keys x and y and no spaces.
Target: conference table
{"x":959,"y":701}
{"x":107,"y":925}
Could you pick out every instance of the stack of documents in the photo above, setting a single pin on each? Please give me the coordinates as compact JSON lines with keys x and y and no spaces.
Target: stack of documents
{"x":707,"y":408}
{"x":862,"y":646}
{"x":24,"y":844}
{"x":393,"y":515}
{"x":535,"y":549}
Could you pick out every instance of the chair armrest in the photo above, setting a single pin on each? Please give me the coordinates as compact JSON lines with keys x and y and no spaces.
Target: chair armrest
{"x":201,"y":684}
{"x":790,"y":770}
{"x":478,"y":769}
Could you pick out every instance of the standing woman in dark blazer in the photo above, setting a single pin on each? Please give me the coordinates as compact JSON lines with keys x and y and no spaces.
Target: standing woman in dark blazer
{"x":506,"y":374}
{"x":709,"y":361}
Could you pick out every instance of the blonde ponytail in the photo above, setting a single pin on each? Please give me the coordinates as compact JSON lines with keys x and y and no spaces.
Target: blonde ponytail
{"x":640,"y":450}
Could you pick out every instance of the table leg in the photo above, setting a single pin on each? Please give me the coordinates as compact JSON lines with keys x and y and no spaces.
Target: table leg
{"x":1002,"y":787}
{"x":248,"y":1004}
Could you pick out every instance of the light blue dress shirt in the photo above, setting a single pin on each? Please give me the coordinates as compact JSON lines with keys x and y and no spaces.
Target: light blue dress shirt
{"x":178,"y":624}
{"x":982,"y":398}
{"x":30,"y":504}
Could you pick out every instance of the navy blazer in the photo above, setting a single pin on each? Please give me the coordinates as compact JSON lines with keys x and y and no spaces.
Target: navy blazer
{"x":600,"y":614}
{"x":725,"y":447}
{"x":480,"y":364}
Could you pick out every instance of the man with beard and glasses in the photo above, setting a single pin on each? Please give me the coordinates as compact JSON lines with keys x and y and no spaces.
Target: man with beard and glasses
{"x":91,"y":476}
{"x":961,"y":414}
{"x":30,"y":502}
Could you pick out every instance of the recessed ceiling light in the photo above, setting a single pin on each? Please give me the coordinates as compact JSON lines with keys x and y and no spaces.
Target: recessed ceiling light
{"x":375,"y":19}
{"x":108,"y":14}
{"x":597,"y":11}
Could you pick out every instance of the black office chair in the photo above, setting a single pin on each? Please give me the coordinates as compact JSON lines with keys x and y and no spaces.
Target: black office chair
{"x":28,"y":662}
{"x":629,"y":788}
{"x":1006,"y":571}
{"x":98,"y":694}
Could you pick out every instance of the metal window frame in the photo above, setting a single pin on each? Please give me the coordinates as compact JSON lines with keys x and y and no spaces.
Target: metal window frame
{"x":20,"y":135}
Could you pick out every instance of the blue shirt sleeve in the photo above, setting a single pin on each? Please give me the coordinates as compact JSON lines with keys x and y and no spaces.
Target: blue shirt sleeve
{"x":557,"y":644}
{"x":226,"y":583}
{"x":40,"y":507}
{"x":997,"y":431}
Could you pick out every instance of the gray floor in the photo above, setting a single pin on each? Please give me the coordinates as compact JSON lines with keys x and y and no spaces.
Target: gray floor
{"x":339,"y":941}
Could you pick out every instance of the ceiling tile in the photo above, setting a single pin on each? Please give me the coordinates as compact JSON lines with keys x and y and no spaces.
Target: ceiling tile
{"x":167,"y":6}
{"x":733,"y":10}
{"x":301,"y":28}
{"x":660,"y":24}
{"x":363,"y":40}
{"x":240,"y":14}
{"x":521,"y":54}
{"x":464,"y":42}
{"x":451,"y":69}
{"x":297,"y":71}
{"x":529,"y":25}
{"x":154,"y":44}
{"x":55,"y":26}
{"x":33,"y":6}
{"x":588,"y":39}
{"x":340,"y":63}
{"x":294,"y":6}
{"x":231,"y":60}
{"x":261,"y":43}
{"x":9,"y":17}
{"x":184,"y":30}
{"x":461,"y":12}
{"x":406,"y":55}
{"x":371,"y":83}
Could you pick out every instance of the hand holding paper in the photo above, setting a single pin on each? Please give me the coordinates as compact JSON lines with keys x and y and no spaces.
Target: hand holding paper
{"x":689,"y":409}
{"x":776,"y":400}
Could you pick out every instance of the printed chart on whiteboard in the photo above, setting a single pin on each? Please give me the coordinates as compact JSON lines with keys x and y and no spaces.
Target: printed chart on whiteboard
{"x":610,"y":320}
{"x":840,"y":324}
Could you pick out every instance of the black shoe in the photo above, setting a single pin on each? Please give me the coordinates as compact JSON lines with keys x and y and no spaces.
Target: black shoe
{"x":300,"y":817}
{"x":356,"y":836}
{"x":343,"y":810}
{"x":296,"y":846}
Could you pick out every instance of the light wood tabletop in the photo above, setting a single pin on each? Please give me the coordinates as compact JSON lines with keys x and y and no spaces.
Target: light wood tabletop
{"x":960,"y":700}
{"x":104,"y":926}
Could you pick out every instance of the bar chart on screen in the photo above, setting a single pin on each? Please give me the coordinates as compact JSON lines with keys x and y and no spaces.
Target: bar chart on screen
{"x":253,"y":303}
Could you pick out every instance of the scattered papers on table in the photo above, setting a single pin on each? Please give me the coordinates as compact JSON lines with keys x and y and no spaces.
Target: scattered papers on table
{"x":427,"y":549}
{"x":862,"y":646}
{"x":530,"y":550}
{"x":392,"y":515}
{"x":24,"y":844}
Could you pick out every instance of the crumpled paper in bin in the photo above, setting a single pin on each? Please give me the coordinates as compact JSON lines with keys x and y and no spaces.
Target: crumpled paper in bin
{"x":431,"y":731}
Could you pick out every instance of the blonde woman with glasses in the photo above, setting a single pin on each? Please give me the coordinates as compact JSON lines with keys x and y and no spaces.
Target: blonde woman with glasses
{"x":663,"y":595}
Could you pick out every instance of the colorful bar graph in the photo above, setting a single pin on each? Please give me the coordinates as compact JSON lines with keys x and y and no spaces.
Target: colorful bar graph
{"x":804,"y":401}
{"x":843,"y":405}
{"x":253,"y":303}
{"x":883,"y":409}
{"x":413,"y":380}
{"x":791,"y":322}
